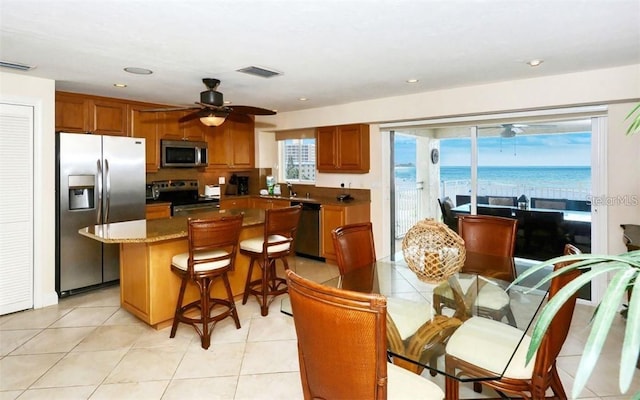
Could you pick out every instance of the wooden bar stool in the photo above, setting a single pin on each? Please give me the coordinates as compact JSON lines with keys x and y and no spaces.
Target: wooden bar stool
{"x":280,"y":226}
{"x":212,"y":250}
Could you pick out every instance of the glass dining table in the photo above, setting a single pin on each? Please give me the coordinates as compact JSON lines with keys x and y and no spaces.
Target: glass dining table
{"x":418,"y":329}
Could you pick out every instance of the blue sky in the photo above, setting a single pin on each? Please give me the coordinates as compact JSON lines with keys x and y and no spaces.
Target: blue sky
{"x":572,"y":149}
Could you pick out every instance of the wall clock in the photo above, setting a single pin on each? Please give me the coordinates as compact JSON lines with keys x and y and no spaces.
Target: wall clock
{"x":435,"y":156}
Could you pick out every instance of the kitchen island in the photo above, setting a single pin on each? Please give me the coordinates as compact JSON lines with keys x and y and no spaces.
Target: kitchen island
{"x":148,"y":288}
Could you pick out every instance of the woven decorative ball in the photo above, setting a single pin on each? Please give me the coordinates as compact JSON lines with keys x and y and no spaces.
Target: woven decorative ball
{"x":433,"y":251}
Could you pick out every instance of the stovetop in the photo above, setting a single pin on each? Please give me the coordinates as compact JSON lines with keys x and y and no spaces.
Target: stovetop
{"x":181,"y":192}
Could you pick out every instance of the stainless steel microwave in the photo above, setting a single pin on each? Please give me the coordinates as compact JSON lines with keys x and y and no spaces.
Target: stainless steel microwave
{"x":183,"y":153}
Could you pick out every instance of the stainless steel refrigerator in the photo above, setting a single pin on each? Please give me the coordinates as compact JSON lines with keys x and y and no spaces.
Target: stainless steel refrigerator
{"x":99,"y":180}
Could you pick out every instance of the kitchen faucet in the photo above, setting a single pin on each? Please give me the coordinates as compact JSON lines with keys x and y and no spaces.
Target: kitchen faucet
{"x":291,"y":192}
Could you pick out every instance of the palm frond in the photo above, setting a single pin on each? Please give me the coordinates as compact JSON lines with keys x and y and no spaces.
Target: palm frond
{"x":631,"y":343}
{"x":600,"y":329}
{"x":634,"y":127}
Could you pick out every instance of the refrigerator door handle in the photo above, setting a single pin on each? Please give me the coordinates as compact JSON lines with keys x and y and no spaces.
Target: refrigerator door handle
{"x":108,"y":192}
{"x":99,"y":218}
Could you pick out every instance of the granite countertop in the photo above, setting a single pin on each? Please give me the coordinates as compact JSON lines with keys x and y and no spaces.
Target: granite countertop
{"x":317,"y":200}
{"x":156,"y":230}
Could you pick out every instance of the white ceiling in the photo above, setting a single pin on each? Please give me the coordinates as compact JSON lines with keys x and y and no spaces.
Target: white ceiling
{"x":331,"y":52}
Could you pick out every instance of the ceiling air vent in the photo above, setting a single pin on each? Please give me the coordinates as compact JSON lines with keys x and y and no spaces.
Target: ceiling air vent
{"x":19,"y":67}
{"x":258,"y":71}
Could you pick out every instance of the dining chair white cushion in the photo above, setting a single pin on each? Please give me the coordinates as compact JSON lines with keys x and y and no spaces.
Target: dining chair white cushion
{"x":254,"y":245}
{"x":403,"y":384}
{"x":491,"y":296}
{"x":182,"y":260}
{"x":408,"y":315}
{"x":489,"y":344}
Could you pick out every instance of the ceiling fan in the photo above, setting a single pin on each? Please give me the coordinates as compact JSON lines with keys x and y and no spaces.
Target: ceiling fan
{"x":211,"y":109}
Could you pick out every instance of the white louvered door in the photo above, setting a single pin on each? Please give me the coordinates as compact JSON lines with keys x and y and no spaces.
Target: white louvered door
{"x":16,"y":208}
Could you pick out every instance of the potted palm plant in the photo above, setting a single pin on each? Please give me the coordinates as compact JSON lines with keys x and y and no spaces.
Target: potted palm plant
{"x":626,"y":270}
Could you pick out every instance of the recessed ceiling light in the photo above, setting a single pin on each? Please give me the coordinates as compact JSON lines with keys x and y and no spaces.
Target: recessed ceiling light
{"x":138,"y":71}
{"x":534,"y":63}
{"x":412,"y":81}
{"x":120,"y":85}
{"x":303,"y":99}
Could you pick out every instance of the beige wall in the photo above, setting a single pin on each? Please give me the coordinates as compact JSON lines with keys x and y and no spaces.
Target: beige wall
{"x":22,"y":89}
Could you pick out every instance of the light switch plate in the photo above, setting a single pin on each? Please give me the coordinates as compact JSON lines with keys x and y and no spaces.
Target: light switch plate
{"x":221,"y":180}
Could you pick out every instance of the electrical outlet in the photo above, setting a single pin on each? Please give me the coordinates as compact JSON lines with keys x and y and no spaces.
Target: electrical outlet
{"x":342,"y":185}
{"x":221,"y":180}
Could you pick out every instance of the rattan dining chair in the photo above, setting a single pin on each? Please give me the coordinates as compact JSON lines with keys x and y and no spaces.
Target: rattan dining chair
{"x":211,"y":255}
{"x":280,"y":227}
{"x":342,"y":345}
{"x":473,"y":350}
{"x":485,"y":235}
{"x":354,"y":246}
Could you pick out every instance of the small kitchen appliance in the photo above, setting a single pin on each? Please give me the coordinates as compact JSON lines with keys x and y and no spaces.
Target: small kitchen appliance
{"x":184,"y":197}
{"x":243,"y":185}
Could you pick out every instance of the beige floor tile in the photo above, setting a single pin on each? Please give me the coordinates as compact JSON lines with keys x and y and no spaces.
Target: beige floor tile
{"x":10,"y":394}
{"x":277,"y":327}
{"x":19,"y":372}
{"x":222,"y":359}
{"x":78,"y":369}
{"x":123,"y":317}
{"x":32,"y":319}
{"x":131,"y":391}
{"x":284,"y":385}
{"x":270,"y":357}
{"x":62,"y":393}
{"x":160,"y":338}
{"x":104,"y":297}
{"x":54,"y":340}
{"x":140,"y":365}
{"x":110,"y":337}
{"x":85,"y":316}
{"x":225,"y":331}
{"x":219,"y":388}
{"x":11,"y":340}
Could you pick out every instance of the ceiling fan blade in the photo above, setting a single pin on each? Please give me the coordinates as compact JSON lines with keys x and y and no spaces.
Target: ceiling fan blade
{"x":170,"y":109}
{"x":252,"y":110}
{"x":193,"y":115}
{"x":237,"y":117}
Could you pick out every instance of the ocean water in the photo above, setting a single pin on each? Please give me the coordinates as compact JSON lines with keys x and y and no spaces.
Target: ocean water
{"x":560,"y":177}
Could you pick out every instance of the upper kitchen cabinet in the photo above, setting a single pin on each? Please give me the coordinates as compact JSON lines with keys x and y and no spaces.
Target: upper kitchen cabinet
{"x":171,"y":129}
{"x":145,"y":125}
{"x":108,"y":117}
{"x":81,"y":113}
{"x":231,"y":146}
{"x":72,"y":113}
{"x":343,"y":149}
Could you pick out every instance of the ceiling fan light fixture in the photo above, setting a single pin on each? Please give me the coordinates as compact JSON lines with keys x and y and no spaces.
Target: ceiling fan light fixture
{"x":535,"y":63}
{"x":213,"y":119}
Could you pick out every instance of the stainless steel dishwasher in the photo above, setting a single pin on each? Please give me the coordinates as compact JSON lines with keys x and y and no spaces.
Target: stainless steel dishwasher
{"x":308,"y":235}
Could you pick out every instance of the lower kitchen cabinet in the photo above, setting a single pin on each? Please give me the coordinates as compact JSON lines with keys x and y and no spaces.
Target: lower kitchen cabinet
{"x":157,"y":211}
{"x":231,"y":203}
{"x":268,"y":203}
{"x":333,"y":216}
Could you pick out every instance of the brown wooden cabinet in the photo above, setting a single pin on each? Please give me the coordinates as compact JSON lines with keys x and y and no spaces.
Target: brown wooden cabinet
{"x":72,"y":113}
{"x":343,"y":149}
{"x":231,"y":146}
{"x":266,"y":203}
{"x":157,"y":211}
{"x":333,"y":216}
{"x":145,"y":125}
{"x":79,"y":113}
{"x":233,"y":203}
{"x":108,"y":117}
{"x":170,"y":128}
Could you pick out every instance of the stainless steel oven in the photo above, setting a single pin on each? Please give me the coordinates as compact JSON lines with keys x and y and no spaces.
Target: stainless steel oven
{"x":189,"y":209}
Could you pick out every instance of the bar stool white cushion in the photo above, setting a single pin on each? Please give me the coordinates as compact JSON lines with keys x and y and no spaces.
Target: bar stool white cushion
{"x":408,"y":315}
{"x":404,"y":384}
{"x":182,"y":260}
{"x":254,"y":245}
{"x":489,"y":344}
